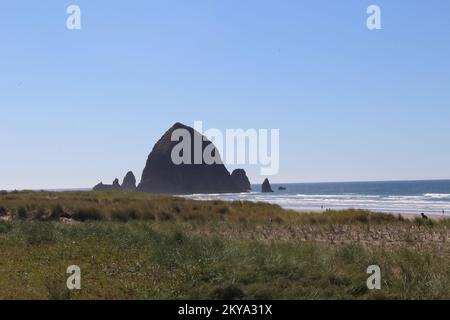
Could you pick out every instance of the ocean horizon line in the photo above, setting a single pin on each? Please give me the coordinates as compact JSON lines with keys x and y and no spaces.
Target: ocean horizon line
{"x":255,"y":184}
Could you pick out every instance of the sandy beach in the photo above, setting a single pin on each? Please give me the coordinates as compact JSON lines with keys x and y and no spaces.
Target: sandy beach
{"x":408,"y":216}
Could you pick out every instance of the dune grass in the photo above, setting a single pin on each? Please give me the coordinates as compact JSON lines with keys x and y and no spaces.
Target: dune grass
{"x":138,"y":246}
{"x":160,"y":260}
{"x":123,"y":207}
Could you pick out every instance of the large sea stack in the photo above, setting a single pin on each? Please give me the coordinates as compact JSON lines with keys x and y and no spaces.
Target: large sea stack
{"x":162,"y":176}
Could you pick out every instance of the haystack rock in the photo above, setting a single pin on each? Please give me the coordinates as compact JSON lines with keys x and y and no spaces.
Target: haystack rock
{"x":266,"y":187}
{"x":241,"y":180}
{"x":129,"y":182}
{"x":162,"y":176}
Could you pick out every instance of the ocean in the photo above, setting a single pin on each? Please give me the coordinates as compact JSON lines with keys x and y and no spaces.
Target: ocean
{"x":409,"y":197}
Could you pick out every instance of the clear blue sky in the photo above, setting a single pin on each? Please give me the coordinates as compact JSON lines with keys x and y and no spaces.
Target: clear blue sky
{"x":78,"y":107}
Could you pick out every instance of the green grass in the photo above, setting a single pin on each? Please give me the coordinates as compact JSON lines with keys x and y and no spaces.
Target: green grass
{"x":160,"y":260}
{"x":138,"y":246}
{"x":123,"y":207}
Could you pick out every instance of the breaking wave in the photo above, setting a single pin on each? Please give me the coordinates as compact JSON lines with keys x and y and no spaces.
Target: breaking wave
{"x":430,"y":203}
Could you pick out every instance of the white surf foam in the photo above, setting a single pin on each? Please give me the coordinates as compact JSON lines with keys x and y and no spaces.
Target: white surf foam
{"x":432,"y":204}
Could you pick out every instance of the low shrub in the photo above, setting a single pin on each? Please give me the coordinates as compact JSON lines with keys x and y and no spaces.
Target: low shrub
{"x":57,"y":290}
{"x":231,"y":292}
{"x":125,"y":215}
{"x":224,"y":210}
{"x":5,"y":226}
{"x":56,"y":212}
{"x":148,"y":216}
{"x":39,"y":232}
{"x":22,"y":213}
{"x":424,"y":222}
{"x":41,"y":214}
{"x":93,"y":214}
{"x":193,"y":216}
{"x":165,"y":216}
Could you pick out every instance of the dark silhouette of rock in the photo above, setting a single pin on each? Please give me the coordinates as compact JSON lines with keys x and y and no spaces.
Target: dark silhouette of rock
{"x":108,"y":187}
{"x":129,"y":182}
{"x":100,"y":187}
{"x":116,"y":184}
{"x":162,"y":176}
{"x":241,"y":180}
{"x":281,"y":188}
{"x":266,"y":187}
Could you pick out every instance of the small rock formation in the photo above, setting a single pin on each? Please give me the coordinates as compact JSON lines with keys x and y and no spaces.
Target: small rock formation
{"x":129,"y":182}
{"x":99,"y":187}
{"x":162,"y":176}
{"x":108,"y":187}
{"x":116,"y":184}
{"x":241,"y":180}
{"x":282,"y":189}
{"x":266,"y":187}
